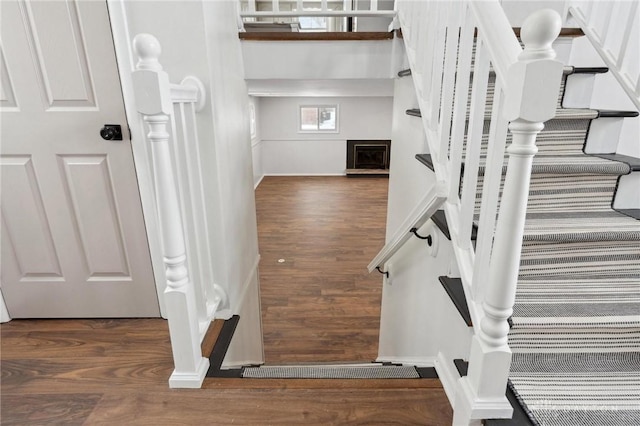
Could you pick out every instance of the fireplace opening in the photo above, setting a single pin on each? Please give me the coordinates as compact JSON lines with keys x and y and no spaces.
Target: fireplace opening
{"x":368,"y":157}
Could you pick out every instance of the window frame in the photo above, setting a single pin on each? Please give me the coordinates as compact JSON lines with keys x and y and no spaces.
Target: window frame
{"x":318,"y":130}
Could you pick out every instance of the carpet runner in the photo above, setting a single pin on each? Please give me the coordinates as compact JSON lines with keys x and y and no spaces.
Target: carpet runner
{"x":576,"y":321}
{"x":370,"y":371}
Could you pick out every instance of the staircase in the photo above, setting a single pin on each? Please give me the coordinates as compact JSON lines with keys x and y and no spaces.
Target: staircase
{"x":574,"y":329}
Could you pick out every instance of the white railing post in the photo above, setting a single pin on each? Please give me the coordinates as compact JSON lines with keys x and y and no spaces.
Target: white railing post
{"x":532,"y":88}
{"x":153,"y":99}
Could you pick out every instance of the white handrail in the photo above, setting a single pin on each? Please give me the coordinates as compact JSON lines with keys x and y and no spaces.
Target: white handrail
{"x":429,"y":204}
{"x":493,"y":25}
{"x":614,"y":50}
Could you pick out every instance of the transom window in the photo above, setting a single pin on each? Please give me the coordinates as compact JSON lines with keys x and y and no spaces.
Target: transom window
{"x":318,"y":118}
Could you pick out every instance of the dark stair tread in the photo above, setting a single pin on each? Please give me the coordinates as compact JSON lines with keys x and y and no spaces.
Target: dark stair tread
{"x":440,"y":220}
{"x":426,"y":160}
{"x":633,"y":162}
{"x":404,"y":73}
{"x":612,"y":113}
{"x":220,"y":350}
{"x":427,"y":372}
{"x":462,"y":366}
{"x":453,"y":287}
{"x":634,"y":213}
{"x":520,"y":417}
{"x":414,"y":112}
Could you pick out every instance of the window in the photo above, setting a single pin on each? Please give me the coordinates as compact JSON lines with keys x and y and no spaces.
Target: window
{"x":321,"y":118}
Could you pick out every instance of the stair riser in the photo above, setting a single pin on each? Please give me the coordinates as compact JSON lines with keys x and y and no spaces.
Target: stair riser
{"x":584,"y":258}
{"x":557,"y":137}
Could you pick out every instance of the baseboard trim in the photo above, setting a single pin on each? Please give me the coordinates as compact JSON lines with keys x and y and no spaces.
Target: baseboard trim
{"x":255,"y":185}
{"x":4,"y":312}
{"x":190,"y":380}
{"x":305,"y":174}
{"x":448,"y":375}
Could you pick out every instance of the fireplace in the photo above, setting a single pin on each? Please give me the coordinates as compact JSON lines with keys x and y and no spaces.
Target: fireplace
{"x":368,"y":157}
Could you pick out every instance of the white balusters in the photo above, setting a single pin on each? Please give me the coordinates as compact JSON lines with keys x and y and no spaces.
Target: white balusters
{"x":435,"y":86}
{"x":617,"y":45}
{"x":453,"y":13}
{"x":153,"y":99}
{"x":460,"y":107}
{"x":533,"y":84}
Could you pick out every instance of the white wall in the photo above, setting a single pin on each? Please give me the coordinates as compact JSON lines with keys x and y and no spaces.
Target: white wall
{"x":200,"y":38}
{"x":418,"y":321}
{"x":232,"y":141}
{"x":286,"y":151}
{"x":318,"y":59}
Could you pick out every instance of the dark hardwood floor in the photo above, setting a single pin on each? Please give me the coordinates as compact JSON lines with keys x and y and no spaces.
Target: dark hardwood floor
{"x":321,"y":304}
{"x":115,"y":372}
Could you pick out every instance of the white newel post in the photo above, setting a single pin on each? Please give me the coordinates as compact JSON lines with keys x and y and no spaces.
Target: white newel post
{"x":153,"y":100}
{"x":533,"y":85}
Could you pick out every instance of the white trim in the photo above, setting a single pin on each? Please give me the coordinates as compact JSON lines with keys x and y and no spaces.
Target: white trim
{"x":418,"y":362}
{"x":190,"y":380}
{"x":4,"y":312}
{"x":448,"y":375}
{"x":305,"y":174}
{"x":243,"y":363}
{"x":247,"y":282}
{"x":258,"y":182}
{"x":304,"y":140}
{"x":126,"y":65}
{"x":478,"y":408}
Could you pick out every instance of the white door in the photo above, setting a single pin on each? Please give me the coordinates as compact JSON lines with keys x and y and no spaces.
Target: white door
{"x":73,"y":236}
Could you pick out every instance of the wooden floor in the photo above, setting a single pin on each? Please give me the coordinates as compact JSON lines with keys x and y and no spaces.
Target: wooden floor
{"x":321,"y":304}
{"x":115,"y":372}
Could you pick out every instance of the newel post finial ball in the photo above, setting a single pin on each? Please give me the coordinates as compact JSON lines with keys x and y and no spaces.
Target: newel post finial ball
{"x":538,"y":32}
{"x":148,"y":49}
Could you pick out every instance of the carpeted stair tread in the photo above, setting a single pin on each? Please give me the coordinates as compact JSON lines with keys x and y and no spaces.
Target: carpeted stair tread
{"x":593,"y":312}
{"x":594,"y":226}
{"x":332,"y":372}
{"x":569,"y":164}
{"x":581,"y":260}
{"x":563,"y":342}
{"x":575,"y":113}
{"x":580,"y":388}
